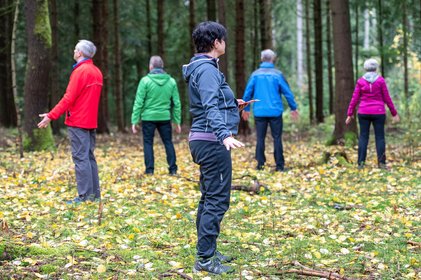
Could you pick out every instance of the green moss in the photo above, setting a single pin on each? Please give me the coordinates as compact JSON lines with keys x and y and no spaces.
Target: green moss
{"x":40,"y":251}
{"x":41,"y":140}
{"x":42,"y":23}
{"x":48,"y":268}
{"x":350,"y":139}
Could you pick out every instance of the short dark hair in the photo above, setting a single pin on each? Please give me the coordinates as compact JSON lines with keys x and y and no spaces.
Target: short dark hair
{"x":205,"y":34}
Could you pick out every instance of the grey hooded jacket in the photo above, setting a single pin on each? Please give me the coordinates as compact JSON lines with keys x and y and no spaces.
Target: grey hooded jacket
{"x":213,"y":105}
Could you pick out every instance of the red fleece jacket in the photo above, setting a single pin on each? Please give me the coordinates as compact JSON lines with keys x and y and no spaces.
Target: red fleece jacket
{"x":81,"y":100}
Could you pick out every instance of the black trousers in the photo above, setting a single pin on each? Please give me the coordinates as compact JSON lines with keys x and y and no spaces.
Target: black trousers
{"x":215,"y":185}
{"x":276,"y":125}
{"x":365,"y":121}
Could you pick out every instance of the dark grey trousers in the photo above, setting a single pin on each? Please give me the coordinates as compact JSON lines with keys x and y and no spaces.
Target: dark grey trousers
{"x":83,"y":146}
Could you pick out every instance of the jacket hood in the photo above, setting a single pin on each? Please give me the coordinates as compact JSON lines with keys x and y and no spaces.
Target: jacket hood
{"x":195,"y":62}
{"x":159,"y":76}
{"x":371,"y":77}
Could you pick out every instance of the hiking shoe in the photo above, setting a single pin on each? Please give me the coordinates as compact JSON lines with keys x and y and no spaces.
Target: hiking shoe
{"x":212,"y":265}
{"x":223,"y":258}
{"x":383,"y":166}
{"x":77,"y":200}
{"x":260,"y":167}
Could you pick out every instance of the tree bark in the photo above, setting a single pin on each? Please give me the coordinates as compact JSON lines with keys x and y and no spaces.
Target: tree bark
{"x":329,"y":56}
{"x":256,"y":50}
{"x":118,"y":91}
{"x":192,"y":24}
{"x":160,"y":31}
{"x":266,"y":24}
{"x":55,"y":95}
{"x":38,"y":32}
{"x":357,"y":10}
{"x":380,"y":33}
{"x":405,"y":52}
{"x":223,"y":61}
{"x":8,"y":117}
{"x":300,"y":71}
{"x":76,"y":20}
{"x":308,"y":62}
{"x":149,"y":28}
{"x":211,"y":9}
{"x":318,"y":59}
{"x":344,"y":79}
{"x":366,"y":29}
{"x":240,"y":58}
{"x":100,"y":35}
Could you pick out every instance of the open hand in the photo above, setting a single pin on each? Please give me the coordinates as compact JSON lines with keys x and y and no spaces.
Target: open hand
{"x":45,"y":121}
{"x":134,"y":128}
{"x":245,"y":115}
{"x":348,"y":120}
{"x":231,"y":143}
{"x":396,"y":119}
{"x":295,"y":116}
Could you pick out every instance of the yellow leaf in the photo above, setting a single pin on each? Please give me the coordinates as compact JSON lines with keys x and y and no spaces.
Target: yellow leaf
{"x":342,"y":271}
{"x":101,"y":268}
{"x":317,"y":255}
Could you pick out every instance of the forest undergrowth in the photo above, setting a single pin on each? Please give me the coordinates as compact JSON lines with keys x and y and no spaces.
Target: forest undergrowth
{"x":322,"y":216}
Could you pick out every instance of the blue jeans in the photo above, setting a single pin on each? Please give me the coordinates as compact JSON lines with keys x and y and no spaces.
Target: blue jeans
{"x":276,"y":125}
{"x":165,"y":131}
{"x":215,"y":185}
{"x":378,"y":123}
{"x":83,"y":145}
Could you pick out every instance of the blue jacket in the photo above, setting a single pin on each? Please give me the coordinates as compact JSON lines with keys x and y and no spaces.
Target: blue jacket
{"x":267,"y":84}
{"x":213,"y":105}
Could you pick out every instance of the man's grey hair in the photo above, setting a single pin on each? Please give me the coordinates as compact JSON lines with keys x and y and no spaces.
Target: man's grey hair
{"x":87,"y":48}
{"x":156,"y":62}
{"x":370,"y":65}
{"x":268,"y":55}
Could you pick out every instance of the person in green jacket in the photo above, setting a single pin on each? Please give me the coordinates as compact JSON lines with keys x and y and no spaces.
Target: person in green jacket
{"x":157,"y":103}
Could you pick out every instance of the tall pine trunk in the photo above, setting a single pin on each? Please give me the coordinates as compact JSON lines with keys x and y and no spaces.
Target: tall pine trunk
{"x":160,"y":31}
{"x":118,"y":90}
{"x":329,"y":56}
{"x":318,"y":59}
{"x":240,"y":76}
{"x":405,"y":53}
{"x":38,"y":31}
{"x":266,"y":24}
{"x":192,"y":24}
{"x":223,"y":61}
{"x":99,"y":14}
{"x":300,"y":71}
{"x":149,"y":27}
{"x":380,"y":34}
{"x":55,"y":94}
{"x":8,"y":117}
{"x":211,"y":9}
{"x":308,"y":62}
{"x":344,"y":80}
{"x":357,"y":41}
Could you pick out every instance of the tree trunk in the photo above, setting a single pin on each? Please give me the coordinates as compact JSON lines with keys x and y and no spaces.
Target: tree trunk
{"x":366,"y":29}
{"x":8,"y":117}
{"x":223,"y":61}
{"x":38,"y":32}
{"x":405,"y":52}
{"x":55,"y":94}
{"x":380,"y":33}
{"x":308,"y":62}
{"x":318,"y":59}
{"x":13,"y":76}
{"x":192,"y":24}
{"x":118,"y":92}
{"x":211,"y":9}
{"x":329,"y":56}
{"x":266,"y":24}
{"x":160,"y":31}
{"x":240,"y":58}
{"x":256,"y":50}
{"x":100,"y":35}
{"x":76,"y":20}
{"x":300,"y":71}
{"x":344,"y":79}
{"x":149,"y":28}
{"x":357,"y":15}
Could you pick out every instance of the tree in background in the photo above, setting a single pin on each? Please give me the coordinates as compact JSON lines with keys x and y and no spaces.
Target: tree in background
{"x":344,"y":78}
{"x":318,"y":59}
{"x":266,"y":24}
{"x":38,"y":31}
{"x":308,"y":64}
{"x":329,"y":56}
{"x":118,"y":90}
{"x":211,"y":9}
{"x":160,"y":30}
{"x":8,"y":117}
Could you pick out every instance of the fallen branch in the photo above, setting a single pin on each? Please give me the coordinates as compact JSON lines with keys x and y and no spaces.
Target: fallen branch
{"x":100,"y":208}
{"x":316,"y":273}
{"x":170,"y":273}
{"x":413,"y":243}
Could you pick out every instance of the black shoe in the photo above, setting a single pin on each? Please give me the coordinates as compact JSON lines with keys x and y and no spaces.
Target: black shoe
{"x":260,"y":167}
{"x":223,"y":258}
{"x":173,"y":173}
{"x":383,"y":166}
{"x":283,"y":169}
{"x":212,"y":265}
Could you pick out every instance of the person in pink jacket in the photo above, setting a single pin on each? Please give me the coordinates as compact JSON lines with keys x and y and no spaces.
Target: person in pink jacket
{"x":372,"y":94}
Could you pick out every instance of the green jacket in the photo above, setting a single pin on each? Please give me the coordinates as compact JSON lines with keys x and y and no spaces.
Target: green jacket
{"x":157,"y":99}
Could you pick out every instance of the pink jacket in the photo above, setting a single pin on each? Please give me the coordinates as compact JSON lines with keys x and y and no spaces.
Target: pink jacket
{"x":372,"y":93}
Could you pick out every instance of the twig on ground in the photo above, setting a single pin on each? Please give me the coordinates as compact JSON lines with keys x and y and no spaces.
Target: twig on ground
{"x":316,"y":273}
{"x":171,"y":273}
{"x":413,"y":243}
{"x":100,"y":208}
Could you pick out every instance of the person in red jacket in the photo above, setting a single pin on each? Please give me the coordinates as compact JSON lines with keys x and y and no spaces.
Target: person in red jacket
{"x":80,"y":104}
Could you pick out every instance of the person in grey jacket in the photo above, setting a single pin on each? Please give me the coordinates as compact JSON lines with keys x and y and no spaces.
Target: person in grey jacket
{"x":215,"y":119}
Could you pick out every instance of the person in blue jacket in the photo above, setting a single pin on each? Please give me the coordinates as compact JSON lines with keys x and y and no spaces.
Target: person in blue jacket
{"x":267,"y":84}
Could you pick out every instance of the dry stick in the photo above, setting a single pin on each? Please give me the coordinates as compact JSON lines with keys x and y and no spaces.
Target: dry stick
{"x":171,"y":273}
{"x":14,"y":86}
{"x":100,"y":208}
{"x":413,"y":243}
{"x":311,"y":272}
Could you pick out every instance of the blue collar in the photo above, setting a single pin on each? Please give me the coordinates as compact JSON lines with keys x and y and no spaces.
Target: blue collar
{"x":267,"y":65}
{"x":76,"y":64}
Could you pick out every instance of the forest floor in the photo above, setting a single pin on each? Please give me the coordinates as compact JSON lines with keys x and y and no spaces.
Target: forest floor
{"x":323,"y":217}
